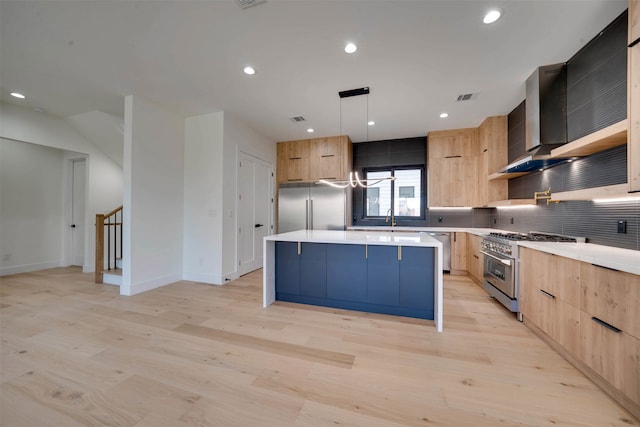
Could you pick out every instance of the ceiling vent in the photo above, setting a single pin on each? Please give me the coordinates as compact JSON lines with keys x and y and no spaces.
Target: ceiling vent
{"x":245,"y":4}
{"x":297,"y":119}
{"x":466,"y":97}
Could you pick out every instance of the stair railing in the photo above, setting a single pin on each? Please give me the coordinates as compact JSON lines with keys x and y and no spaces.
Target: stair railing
{"x":108,"y":225}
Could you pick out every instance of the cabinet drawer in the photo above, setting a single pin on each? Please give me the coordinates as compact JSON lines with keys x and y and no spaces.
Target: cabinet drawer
{"x":612,"y":296}
{"x":613,"y":355}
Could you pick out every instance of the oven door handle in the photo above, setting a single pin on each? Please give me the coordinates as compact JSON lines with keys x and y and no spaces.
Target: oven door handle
{"x":504,"y":261}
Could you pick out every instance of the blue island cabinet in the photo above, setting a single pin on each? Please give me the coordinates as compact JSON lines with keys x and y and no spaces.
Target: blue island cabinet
{"x":372,"y":278}
{"x":417,"y":267}
{"x":301,"y":272}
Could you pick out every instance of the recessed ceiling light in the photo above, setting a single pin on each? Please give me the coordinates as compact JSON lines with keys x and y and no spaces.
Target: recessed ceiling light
{"x":310,"y":130}
{"x":371,"y":123}
{"x":17,"y":95}
{"x":249,"y":70}
{"x":492,"y":16}
{"x":444,"y":115}
{"x":350,"y":48}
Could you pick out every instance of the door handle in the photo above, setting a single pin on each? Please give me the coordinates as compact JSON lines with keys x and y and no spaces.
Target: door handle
{"x":73,"y":226}
{"x":504,"y":261}
{"x":259,"y":225}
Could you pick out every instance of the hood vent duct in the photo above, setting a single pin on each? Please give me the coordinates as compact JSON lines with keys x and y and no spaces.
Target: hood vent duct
{"x":545,"y":118}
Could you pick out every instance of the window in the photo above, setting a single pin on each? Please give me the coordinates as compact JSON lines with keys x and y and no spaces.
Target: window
{"x":404,"y":193}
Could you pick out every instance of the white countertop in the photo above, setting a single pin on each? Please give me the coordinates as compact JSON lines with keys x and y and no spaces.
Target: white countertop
{"x":627,"y":260}
{"x":355,"y":237}
{"x":606,"y":256}
{"x":403,"y":229}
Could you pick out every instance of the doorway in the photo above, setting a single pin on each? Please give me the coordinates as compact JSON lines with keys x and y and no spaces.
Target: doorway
{"x":255,"y":207}
{"x":77,"y":217}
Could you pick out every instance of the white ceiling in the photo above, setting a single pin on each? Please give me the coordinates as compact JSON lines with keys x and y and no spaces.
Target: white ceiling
{"x":73,"y":57}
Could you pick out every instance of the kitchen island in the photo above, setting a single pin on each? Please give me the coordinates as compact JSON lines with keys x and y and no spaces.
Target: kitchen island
{"x":374,"y":271}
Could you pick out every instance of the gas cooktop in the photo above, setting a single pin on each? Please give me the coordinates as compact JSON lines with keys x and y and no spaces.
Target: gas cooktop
{"x":536,"y":236}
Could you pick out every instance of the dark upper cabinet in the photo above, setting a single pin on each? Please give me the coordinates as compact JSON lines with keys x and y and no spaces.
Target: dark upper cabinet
{"x":597,"y":81}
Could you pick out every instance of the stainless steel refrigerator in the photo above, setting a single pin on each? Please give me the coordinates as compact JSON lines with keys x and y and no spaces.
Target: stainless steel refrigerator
{"x":312,"y":207}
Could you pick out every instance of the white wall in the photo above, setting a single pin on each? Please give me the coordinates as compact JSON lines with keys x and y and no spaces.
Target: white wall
{"x":203,"y":207}
{"x":239,"y":137}
{"x":153,"y":196}
{"x":104,"y":177}
{"x":212,"y":144}
{"x":31,"y":207}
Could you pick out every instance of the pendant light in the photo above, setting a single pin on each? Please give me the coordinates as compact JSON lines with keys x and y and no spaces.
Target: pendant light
{"x":354,"y":180}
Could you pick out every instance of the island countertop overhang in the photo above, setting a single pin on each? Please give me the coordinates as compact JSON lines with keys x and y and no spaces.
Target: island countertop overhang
{"x":352,"y":237}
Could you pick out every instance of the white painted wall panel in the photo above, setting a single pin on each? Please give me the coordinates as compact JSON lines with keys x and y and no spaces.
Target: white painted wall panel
{"x":31,"y":207}
{"x":153,"y":196}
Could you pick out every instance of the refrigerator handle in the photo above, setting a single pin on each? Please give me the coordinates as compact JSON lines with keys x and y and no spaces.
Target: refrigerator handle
{"x":311,"y":215}
{"x":306,"y":214}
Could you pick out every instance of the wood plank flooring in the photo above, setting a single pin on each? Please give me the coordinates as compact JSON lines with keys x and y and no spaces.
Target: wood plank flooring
{"x":78,"y":354}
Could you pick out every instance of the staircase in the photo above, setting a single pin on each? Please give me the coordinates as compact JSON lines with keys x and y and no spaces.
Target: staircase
{"x":109,"y":247}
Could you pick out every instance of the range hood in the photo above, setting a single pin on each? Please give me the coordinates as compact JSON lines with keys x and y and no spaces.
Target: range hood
{"x":546,"y":118}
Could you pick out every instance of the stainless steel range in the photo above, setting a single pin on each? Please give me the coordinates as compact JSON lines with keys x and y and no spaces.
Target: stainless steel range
{"x":500,"y":264}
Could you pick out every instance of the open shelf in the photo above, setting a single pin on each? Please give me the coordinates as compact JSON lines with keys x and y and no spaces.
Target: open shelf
{"x":511,"y":202}
{"x":500,"y":175}
{"x":606,"y":192}
{"x":609,"y":137}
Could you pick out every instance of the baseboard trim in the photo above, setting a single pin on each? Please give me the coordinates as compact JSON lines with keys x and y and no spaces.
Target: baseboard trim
{"x":209,"y":279}
{"x":28,"y":268}
{"x":138,"y":288}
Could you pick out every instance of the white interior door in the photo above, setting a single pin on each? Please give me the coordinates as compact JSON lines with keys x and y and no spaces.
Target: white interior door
{"x":77,"y":211}
{"x":254,"y":184}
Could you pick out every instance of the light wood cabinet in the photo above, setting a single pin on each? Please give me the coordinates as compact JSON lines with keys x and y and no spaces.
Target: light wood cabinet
{"x":452,"y":167}
{"x":293,"y":161}
{"x":590,"y":315}
{"x":612,"y":296}
{"x":461,"y":160}
{"x":474,"y":257}
{"x":313,"y":159}
{"x":327,"y":159}
{"x":453,"y":143}
{"x":492,"y":157}
{"x":615,"y":356}
{"x":458,"y":253}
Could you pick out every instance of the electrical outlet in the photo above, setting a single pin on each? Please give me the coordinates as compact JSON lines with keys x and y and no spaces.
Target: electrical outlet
{"x":495,"y":221}
{"x":622,"y":227}
{"x":440,"y":219}
{"x":511,"y":220}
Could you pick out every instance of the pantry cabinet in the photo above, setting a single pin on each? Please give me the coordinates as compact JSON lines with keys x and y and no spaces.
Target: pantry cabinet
{"x":310,"y":160}
{"x":461,"y":160}
{"x":452,"y":166}
{"x":590,"y":315}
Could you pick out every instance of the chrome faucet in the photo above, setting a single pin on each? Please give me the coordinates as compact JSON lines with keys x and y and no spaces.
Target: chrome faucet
{"x":390,"y":215}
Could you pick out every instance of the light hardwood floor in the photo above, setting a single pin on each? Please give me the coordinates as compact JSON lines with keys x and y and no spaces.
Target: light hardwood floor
{"x":78,"y":354}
